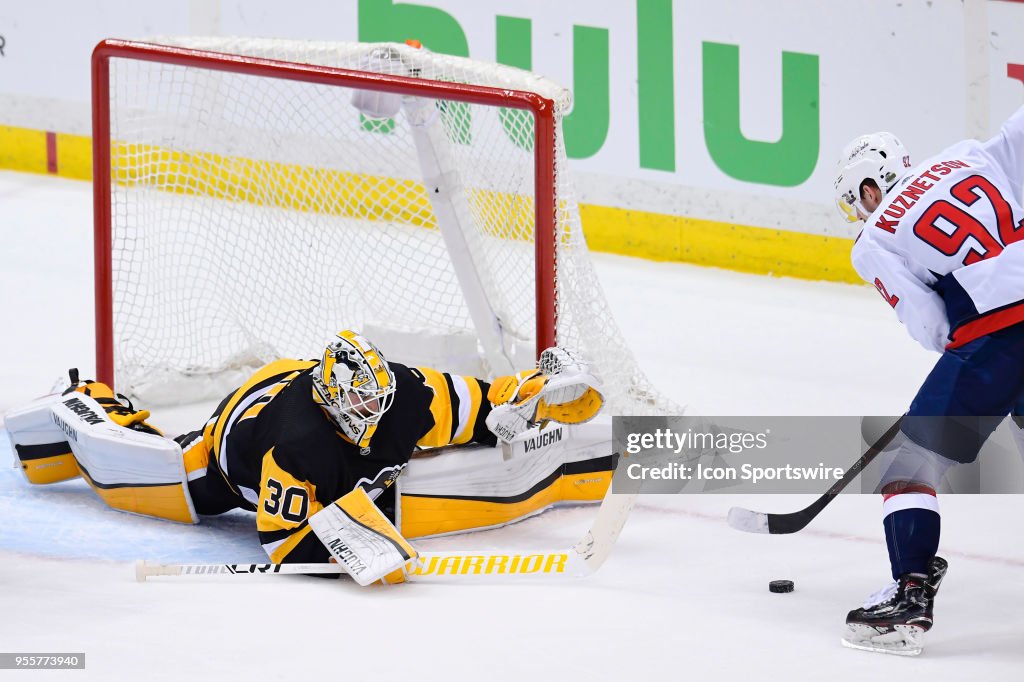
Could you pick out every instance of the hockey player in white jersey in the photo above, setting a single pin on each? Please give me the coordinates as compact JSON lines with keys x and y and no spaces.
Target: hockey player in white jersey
{"x":942,"y":244}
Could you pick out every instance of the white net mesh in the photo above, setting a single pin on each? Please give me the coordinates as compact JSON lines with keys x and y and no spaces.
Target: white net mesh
{"x":253,"y":217}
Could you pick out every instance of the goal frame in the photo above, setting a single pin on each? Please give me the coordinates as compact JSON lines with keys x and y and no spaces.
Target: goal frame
{"x":542,"y":109}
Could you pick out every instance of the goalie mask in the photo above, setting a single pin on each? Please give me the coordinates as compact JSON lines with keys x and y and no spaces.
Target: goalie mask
{"x":354,"y":384}
{"x":879,"y":157}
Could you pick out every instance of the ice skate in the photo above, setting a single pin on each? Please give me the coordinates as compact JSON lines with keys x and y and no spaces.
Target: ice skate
{"x":894,"y":620}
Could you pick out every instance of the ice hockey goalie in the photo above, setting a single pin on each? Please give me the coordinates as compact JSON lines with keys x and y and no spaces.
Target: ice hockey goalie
{"x":317,"y":449}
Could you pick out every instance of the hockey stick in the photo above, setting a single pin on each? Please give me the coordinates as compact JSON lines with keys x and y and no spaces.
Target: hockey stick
{"x":144,"y":569}
{"x":783,"y":524}
{"x":580,"y":560}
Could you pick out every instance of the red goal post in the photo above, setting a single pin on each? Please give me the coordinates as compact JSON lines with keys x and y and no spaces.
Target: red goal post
{"x":544,"y":175}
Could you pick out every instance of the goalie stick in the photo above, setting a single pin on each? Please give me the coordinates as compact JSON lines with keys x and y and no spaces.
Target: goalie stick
{"x":783,"y":524}
{"x":580,"y":560}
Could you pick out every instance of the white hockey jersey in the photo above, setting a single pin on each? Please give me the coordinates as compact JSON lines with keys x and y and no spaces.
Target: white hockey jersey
{"x":944,"y":248}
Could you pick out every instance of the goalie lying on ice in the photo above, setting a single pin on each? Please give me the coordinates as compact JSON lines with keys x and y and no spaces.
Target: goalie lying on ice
{"x":315,"y":448}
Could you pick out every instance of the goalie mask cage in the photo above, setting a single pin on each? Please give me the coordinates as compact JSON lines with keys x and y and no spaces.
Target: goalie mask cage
{"x":254,"y":196}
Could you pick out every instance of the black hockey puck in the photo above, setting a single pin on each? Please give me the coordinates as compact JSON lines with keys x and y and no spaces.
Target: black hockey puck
{"x":780,"y":586}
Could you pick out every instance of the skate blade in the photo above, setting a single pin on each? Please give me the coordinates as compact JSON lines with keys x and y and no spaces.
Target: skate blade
{"x":905,"y":640}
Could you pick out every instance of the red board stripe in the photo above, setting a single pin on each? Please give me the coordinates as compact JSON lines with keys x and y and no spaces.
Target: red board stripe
{"x":51,"y":152}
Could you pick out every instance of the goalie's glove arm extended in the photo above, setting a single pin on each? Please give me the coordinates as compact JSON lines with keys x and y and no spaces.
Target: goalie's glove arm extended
{"x":563,"y":388}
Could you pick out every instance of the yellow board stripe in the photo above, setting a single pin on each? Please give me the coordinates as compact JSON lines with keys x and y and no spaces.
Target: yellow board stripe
{"x":74,"y":156}
{"x":302,"y":188}
{"x":760,"y":250}
{"x":22,"y":149}
{"x":627,"y":232}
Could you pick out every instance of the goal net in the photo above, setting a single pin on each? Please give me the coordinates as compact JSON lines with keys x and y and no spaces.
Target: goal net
{"x":254,"y":196}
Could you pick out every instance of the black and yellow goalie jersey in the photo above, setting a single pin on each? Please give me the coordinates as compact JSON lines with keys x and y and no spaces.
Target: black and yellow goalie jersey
{"x":281,"y":455}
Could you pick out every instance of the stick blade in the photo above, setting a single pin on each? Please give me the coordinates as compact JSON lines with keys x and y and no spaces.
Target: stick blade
{"x":597,"y":544}
{"x":748,"y":521}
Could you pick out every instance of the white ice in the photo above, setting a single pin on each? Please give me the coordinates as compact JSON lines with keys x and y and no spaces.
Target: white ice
{"x":682,"y":596}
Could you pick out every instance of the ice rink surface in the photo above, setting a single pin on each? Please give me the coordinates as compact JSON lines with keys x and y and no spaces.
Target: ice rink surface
{"x":682,"y":596}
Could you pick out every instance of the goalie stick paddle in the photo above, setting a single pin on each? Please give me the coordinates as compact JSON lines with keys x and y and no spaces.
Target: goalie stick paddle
{"x":580,"y":560}
{"x":783,"y":524}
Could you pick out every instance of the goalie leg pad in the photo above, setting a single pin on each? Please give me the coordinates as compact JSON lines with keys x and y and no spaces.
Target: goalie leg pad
{"x":131,"y":470}
{"x":42,"y":447}
{"x":361,"y":539}
{"x":475,"y":488}
{"x":39,"y":444}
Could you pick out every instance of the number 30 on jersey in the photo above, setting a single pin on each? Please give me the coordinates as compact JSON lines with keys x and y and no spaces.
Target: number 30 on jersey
{"x":291,"y":503}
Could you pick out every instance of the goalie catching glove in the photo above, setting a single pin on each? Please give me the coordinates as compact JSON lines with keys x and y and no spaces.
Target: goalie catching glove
{"x":562,"y":389}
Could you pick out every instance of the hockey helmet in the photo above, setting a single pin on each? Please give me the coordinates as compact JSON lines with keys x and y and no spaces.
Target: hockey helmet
{"x":354,"y":384}
{"x":877,"y":156}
